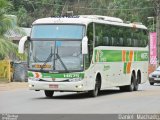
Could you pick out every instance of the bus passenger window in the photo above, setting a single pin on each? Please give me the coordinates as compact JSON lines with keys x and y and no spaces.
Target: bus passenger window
{"x":112,"y":41}
{"x":106,"y":41}
{"x":121,"y":42}
{"x":129,"y":43}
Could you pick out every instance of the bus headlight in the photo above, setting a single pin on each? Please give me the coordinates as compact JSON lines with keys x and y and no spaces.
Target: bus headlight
{"x":75,"y":79}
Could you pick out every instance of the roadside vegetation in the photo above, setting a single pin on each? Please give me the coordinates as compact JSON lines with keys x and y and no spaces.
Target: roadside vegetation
{"x":22,"y":13}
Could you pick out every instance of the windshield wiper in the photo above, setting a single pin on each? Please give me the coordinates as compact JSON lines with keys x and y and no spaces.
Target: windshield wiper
{"x":47,"y":60}
{"x":62,"y":62}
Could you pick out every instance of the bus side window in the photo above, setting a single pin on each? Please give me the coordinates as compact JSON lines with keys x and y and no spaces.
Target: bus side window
{"x":144,"y":38}
{"x":129,"y":42}
{"x":96,"y":41}
{"x":99,"y":33}
{"x":121,"y":41}
{"x":138,"y":34}
{"x":113,"y":41}
{"x":88,"y":57}
{"x":121,"y":36}
{"x":106,"y":41}
{"x":136,"y":43}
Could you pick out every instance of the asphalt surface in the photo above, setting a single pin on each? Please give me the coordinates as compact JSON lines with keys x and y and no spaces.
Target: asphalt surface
{"x":146,"y":100}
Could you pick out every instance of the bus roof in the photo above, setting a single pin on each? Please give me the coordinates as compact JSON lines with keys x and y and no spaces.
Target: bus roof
{"x":86,"y":19}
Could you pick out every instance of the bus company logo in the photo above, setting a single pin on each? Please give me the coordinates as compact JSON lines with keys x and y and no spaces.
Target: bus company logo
{"x":106,"y":68}
{"x":37,"y":75}
{"x":100,"y":56}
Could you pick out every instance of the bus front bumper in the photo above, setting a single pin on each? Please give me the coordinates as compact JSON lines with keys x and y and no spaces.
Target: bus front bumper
{"x":57,"y":86}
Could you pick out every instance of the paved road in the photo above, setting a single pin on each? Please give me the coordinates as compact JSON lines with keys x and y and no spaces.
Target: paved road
{"x":146,"y":100}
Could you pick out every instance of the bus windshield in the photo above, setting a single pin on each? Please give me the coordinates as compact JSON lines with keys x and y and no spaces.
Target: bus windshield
{"x":57,"y":31}
{"x":55,"y":47}
{"x":56,"y":56}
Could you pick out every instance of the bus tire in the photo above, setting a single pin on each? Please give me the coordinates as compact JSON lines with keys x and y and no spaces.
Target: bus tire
{"x":130,"y":87}
{"x":137,"y":81}
{"x":136,"y":84}
{"x":94,"y":93}
{"x":151,"y":83}
{"x":123,"y":88}
{"x":49,"y":93}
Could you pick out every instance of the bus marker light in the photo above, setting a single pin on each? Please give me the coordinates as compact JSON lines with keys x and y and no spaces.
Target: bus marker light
{"x":79,"y":86}
{"x":30,"y":85}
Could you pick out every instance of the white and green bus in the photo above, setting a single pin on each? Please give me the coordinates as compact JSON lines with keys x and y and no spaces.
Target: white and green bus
{"x":87,"y":53}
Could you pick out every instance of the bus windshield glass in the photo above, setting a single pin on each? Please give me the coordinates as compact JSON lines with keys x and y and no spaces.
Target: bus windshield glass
{"x":57,"y":31}
{"x":55,"y":55}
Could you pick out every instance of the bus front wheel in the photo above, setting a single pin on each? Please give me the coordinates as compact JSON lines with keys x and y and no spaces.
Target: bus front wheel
{"x":94,"y":93}
{"x":49,"y":93}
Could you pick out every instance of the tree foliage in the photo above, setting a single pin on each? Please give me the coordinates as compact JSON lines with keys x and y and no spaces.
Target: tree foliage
{"x":129,"y":10}
{"x":29,"y":10}
{"x":132,"y":10}
{"x":7,"y":22}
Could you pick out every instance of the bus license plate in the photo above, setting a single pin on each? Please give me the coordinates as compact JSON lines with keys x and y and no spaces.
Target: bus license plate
{"x":54,"y":86}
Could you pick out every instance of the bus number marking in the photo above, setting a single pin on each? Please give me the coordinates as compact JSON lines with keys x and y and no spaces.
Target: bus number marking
{"x":71,"y":75}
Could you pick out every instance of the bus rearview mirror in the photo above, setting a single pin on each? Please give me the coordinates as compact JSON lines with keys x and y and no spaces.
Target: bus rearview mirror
{"x":85,"y":45}
{"x":21,"y":44}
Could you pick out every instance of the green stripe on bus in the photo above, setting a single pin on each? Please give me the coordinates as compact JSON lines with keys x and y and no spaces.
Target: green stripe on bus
{"x":108,"y":56}
{"x":124,"y":67}
{"x":58,"y":75}
{"x":116,"y":55}
{"x":30,"y":74}
{"x":140,"y":56}
{"x":127,"y":55}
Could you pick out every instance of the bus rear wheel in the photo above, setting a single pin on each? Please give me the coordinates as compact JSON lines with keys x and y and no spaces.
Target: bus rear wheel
{"x":49,"y":93}
{"x":133,"y":86}
{"x":151,"y":83}
{"x":136,"y":84}
{"x":137,"y":81}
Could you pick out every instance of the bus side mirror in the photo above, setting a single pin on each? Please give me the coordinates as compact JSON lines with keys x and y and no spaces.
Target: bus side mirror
{"x":85,"y":45}
{"x":21,"y":44}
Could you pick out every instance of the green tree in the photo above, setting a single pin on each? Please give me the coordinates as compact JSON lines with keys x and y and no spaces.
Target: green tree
{"x":131,"y":10}
{"x":7,"y":22}
{"x":128,"y":10}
